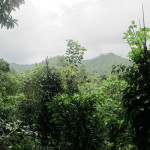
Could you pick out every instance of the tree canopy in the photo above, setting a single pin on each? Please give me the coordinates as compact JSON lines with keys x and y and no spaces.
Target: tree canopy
{"x":6,"y":8}
{"x":136,"y":95}
{"x":4,"y":65}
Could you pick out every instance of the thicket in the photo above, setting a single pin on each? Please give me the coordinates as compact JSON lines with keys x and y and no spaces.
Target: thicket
{"x":136,"y":98}
{"x":66,"y":108}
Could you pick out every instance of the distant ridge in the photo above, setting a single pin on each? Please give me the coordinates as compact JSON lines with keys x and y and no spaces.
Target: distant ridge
{"x":104,"y":62}
{"x":21,"y":68}
{"x":101,"y":64}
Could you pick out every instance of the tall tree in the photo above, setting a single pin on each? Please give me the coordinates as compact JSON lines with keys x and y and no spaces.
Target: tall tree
{"x":74,"y":52}
{"x":74,"y":57}
{"x":43,"y":84}
{"x":137,"y":94}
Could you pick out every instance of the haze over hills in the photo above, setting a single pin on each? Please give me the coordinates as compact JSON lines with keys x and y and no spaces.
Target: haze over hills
{"x":21,"y":68}
{"x":101,"y":64}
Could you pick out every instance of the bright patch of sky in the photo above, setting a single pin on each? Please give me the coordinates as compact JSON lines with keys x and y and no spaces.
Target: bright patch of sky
{"x":44,"y":27}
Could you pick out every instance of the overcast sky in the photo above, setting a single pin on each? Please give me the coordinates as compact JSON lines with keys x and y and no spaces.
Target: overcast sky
{"x":45,"y":25}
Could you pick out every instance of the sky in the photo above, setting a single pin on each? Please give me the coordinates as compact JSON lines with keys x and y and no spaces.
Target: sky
{"x":44,"y":26}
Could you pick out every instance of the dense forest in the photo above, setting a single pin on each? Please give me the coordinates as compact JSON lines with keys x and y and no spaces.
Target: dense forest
{"x":62,"y":106}
{"x":66,"y":107}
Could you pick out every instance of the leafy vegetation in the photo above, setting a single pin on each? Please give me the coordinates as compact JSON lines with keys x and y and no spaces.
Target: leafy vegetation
{"x":59,"y":105}
{"x":4,"y":65}
{"x":6,"y":8}
{"x":103,"y":63}
{"x":136,"y":95}
{"x":62,"y":107}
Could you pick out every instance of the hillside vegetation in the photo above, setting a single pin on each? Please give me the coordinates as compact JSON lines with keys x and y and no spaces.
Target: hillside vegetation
{"x":101,"y":64}
{"x":104,"y":62}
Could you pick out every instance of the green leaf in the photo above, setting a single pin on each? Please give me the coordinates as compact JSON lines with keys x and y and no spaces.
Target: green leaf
{"x":133,"y":22}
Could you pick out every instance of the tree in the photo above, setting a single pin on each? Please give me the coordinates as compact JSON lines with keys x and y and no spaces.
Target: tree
{"x":4,"y":65}
{"x":136,"y":97}
{"x":40,"y":87}
{"x":74,"y":52}
{"x":74,"y":57}
{"x":6,"y":8}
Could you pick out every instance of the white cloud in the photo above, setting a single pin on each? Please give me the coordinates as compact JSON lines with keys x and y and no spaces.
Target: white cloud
{"x":44,"y":27}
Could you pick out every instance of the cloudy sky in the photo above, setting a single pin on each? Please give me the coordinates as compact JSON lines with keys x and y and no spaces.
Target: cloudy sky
{"x":45,"y":25}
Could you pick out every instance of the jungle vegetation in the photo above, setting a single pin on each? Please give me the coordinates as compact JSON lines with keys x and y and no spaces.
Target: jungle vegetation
{"x":64,"y":107}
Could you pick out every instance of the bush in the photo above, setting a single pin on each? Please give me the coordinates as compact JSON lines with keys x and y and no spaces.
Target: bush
{"x":78,"y":123}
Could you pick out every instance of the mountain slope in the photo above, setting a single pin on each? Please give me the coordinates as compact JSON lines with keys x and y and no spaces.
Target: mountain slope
{"x":21,"y":68}
{"x":101,"y":64}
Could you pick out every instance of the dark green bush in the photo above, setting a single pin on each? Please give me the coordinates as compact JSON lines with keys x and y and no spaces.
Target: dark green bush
{"x":78,"y":123}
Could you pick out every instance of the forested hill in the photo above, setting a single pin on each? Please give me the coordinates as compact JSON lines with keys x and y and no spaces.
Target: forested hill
{"x":21,"y":68}
{"x":101,"y":64}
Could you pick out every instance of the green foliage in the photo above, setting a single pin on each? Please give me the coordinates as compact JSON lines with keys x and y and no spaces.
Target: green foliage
{"x":113,"y":88}
{"x":74,"y":52}
{"x":73,"y":78}
{"x":10,"y":129}
{"x":78,"y":123}
{"x":66,"y":108}
{"x":136,"y":95}
{"x":39,"y":114}
{"x":14,"y":136}
{"x":8,"y":84}
{"x":109,"y":92}
{"x":71,"y":81}
{"x":103,"y":63}
{"x":82,"y":74}
{"x":6,"y":7}
{"x":117,"y":133}
{"x":4,"y":65}
{"x":137,"y":39}
{"x":73,"y":59}
{"x":98,"y":65}
{"x":42,"y":84}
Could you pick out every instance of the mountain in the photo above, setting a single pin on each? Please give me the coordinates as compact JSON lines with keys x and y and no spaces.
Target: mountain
{"x":101,"y":64}
{"x":21,"y":68}
{"x":26,"y":67}
{"x":104,"y":62}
